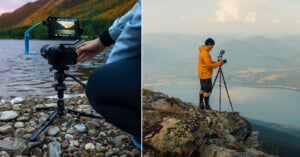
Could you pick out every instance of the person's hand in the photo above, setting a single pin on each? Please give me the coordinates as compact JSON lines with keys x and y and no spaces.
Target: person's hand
{"x":221,"y":62}
{"x":89,"y":49}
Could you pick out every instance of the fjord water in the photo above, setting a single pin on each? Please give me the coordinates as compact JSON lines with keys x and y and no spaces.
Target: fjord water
{"x":29,"y":75}
{"x":275,"y":105}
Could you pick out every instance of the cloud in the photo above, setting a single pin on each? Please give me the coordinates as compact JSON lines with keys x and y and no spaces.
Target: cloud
{"x":183,"y":18}
{"x":276,"y":21}
{"x":244,"y":11}
{"x":8,"y":6}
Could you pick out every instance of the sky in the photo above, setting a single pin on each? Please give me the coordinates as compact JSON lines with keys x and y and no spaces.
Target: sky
{"x":226,"y":17}
{"x":11,"y":5}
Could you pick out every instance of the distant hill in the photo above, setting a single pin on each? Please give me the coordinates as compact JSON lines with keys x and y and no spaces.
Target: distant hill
{"x":258,"y":60}
{"x":277,"y":139}
{"x":100,"y":13}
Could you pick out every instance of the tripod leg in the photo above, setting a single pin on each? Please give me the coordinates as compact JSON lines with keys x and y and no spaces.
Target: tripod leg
{"x":220,"y":90}
{"x":227,"y":91}
{"x":45,"y":108}
{"x":215,"y":80}
{"x":43,"y":126}
{"x":82,"y":113}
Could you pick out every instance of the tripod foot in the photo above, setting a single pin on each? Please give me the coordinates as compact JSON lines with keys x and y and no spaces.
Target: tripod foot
{"x":80,"y":113}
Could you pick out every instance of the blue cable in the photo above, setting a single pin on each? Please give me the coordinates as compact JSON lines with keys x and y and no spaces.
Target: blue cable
{"x":26,"y":40}
{"x":136,"y":143}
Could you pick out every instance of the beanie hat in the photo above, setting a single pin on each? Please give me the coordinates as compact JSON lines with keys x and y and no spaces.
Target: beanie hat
{"x":209,"y":41}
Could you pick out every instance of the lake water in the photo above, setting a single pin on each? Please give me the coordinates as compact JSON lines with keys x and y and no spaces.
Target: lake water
{"x":266,"y":104}
{"x":29,"y":75}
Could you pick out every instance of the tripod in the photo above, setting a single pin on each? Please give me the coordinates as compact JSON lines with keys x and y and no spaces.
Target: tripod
{"x":221,"y":77}
{"x":60,"y":110}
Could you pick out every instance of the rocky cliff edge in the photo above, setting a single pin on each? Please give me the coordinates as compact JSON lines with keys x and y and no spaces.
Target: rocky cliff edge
{"x":175,"y":128}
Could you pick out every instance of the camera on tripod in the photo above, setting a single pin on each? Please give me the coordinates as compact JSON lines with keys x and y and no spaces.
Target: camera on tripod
{"x":59,"y":28}
{"x":59,"y":56}
{"x":62,"y":28}
{"x":220,"y":57}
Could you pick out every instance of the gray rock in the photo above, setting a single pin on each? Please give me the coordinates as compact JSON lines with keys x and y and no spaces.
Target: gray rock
{"x":5,"y":129}
{"x":89,"y":146}
{"x":51,"y":105}
{"x":19,"y":133}
{"x":4,"y":154}
{"x":16,"y":100}
{"x":8,"y":115}
{"x":52,"y":131}
{"x":74,"y":143}
{"x":19,"y":125}
{"x":36,"y":152}
{"x":118,"y":140}
{"x":23,"y":118}
{"x":160,"y":104}
{"x":54,"y":149}
{"x":68,"y":137}
{"x":112,"y":152}
{"x":80,"y":128}
{"x":229,"y":137}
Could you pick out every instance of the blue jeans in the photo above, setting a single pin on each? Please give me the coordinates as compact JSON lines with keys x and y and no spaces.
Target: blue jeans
{"x":114,"y":91}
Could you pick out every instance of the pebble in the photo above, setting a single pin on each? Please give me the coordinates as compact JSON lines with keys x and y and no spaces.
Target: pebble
{"x":29,"y":129}
{"x":51,"y":105}
{"x":52,"y":131}
{"x":8,"y":115}
{"x":64,"y":144}
{"x":5,"y":129}
{"x":16,"y":100}
{"x":80,"y":128}
{"x":118,"y":140}
{"x":4,"y":154}
{"x":112,"y":151}
{"x":89,"y":146}
{"x":84,"y":136}
{"x":68,"y":137}
{"x":74,"y":143}
{"x":19,"y":125}
{"x":23,"y":118}
{"x":102,"y":133}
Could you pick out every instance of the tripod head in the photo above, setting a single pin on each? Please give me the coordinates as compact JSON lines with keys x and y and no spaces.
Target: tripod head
{"x":220,"y":57}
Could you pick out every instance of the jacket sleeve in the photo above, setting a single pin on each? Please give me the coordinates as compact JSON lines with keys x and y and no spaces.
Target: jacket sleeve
{"x":119,"y":24}
{"x":209,"y":63}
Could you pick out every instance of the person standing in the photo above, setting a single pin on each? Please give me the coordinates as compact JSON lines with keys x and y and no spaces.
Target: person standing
{"x":205,"y":71}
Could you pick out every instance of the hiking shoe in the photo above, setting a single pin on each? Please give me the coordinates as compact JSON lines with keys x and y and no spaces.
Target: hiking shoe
{"x":201,"y":106}
{"x":208,"y":107}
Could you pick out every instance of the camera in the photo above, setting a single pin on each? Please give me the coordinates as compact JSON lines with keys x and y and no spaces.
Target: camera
{"x":220,"y":57}
{"x":60,"y":55}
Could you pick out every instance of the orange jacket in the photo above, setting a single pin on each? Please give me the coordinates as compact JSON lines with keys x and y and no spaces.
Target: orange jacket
{"x":205,"y":64}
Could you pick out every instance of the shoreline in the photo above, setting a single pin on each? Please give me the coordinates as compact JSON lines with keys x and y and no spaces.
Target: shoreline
{"x":76,"y":136}
{"x":147,"y":85}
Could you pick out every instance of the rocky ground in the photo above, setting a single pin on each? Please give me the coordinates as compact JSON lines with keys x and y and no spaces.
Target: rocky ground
{"x":175,"y":128}
{"x":69,"y":136}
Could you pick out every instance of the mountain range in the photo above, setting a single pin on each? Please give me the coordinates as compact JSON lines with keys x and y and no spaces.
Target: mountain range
{"x":84,"y":10}
{"x":258,"y":60}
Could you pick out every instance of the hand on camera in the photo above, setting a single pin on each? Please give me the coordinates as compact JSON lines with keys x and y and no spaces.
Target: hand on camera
{"x":89,"y":49}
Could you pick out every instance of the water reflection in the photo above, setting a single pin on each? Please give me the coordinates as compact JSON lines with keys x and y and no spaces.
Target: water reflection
{"x":29,"y":75}
{"x":266,"y":104}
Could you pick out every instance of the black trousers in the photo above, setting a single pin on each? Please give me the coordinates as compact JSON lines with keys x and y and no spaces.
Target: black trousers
{"x":114,"y":91}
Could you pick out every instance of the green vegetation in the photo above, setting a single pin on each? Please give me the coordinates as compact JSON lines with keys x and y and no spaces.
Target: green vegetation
{"x":92,"y":28}
{"x":94,"y":15}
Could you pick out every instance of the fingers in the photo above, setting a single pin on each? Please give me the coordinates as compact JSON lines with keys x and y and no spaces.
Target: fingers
{"x":80,"y":49}
{"x":83,"y":57}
